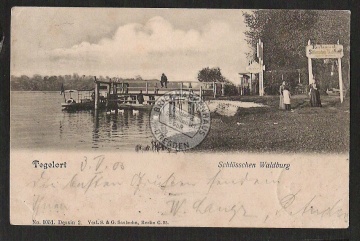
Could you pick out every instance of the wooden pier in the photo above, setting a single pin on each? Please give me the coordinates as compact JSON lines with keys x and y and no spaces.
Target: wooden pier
{"x":127,"y":92}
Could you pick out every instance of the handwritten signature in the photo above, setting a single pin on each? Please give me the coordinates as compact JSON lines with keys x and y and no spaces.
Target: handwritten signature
{"x":205,"y":206}
{"x":288,"y":203}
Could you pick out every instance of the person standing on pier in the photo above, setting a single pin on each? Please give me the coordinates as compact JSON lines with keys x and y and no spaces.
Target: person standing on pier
{"x":140,"y":97}
{"x":156,"y":89}
{"x":163,"y":80}
{"x":126,"y":88}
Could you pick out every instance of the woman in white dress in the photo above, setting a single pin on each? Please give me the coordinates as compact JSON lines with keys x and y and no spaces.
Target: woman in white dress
{"x":287,"y":98}
{"x":281,"y":90}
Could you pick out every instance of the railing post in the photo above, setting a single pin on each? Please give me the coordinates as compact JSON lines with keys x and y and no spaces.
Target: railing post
{"x":181,"y":88}
{"x":97,"y":87}
{"x":115,"y":97}
{"x":250,"y":84}
{"x":340,"y":81}
{"x":214,"y":89}
{"x":108,"y":95}
{"x":108,"y":90}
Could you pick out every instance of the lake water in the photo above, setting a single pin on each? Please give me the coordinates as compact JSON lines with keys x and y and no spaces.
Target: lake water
{"x":38,"y":122}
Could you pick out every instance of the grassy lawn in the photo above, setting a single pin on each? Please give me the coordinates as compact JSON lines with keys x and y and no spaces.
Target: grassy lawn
{"x":306,"y":129}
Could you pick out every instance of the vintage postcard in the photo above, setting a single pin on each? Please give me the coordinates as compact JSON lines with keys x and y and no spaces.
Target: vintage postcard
{"x":179,"y":117}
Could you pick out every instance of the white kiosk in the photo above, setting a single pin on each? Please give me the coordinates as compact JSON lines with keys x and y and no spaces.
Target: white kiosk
{"x":325,"y":51}
{"x":260,"y":54}
{"x":258,"y":67}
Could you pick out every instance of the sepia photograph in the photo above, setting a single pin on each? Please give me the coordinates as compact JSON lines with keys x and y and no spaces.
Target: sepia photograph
{"x":168,"y":111}
{"x":273,"y":80}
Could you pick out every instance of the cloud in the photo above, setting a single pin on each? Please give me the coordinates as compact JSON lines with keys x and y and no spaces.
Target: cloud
{"x":155,"y":47}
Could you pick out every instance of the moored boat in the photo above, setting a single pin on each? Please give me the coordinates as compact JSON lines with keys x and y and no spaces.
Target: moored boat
{"x":75,"y":100}
{"x":130,"y":106}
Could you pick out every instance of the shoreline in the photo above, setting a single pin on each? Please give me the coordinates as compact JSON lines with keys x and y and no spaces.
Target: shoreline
{"x":305,"y":129}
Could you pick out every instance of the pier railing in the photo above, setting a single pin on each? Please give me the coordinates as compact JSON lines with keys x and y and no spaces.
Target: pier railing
{"x":126,"y":91}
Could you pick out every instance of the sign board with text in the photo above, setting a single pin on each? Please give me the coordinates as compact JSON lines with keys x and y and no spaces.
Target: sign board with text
{"x":324,"y":51}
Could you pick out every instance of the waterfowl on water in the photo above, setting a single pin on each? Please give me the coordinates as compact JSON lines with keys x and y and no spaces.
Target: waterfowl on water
{"x":110,"y":112}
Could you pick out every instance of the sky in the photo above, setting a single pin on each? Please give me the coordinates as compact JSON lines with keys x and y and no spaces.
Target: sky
{"x":123,"y":42}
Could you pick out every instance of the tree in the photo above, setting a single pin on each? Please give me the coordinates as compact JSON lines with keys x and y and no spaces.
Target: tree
{"x":138,"y":78}
{"x":332,"y":26}
{"x":214,"y":75}
{"x":285,"y":34}
{"x":211,"y":75}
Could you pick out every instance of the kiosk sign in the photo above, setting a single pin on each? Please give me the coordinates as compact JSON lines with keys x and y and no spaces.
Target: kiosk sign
{"x":325,"y":51}
{"x":254,"y":68}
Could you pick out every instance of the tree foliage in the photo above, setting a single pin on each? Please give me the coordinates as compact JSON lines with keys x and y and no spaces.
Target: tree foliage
{"x":53,"y":83}
{"x":285,"y":34}
{"x":211,"y":75}
{"x":214,"y":75}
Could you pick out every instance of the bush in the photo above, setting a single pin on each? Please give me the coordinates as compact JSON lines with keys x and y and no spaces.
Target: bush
{"x":230,"y":89}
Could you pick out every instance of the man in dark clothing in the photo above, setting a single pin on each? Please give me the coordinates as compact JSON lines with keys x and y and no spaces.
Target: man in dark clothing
{"x":163,"y":80}
{"x":126,"y":88}
{"x":140,"y":98}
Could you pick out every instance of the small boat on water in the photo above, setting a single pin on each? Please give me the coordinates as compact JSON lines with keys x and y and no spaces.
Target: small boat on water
{"x":71,"y":104}
{"x":75,"y":100}
{"x":129,"y":106}
{"x":131,"y":102}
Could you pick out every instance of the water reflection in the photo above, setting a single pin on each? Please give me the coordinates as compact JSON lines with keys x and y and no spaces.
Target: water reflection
{"x":48,"y":127}
{"x":95,"y":135}
{"x":123,"y":130}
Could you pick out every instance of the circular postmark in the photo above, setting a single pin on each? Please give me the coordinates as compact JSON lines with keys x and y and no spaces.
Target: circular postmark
{"x":180,"y":120}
